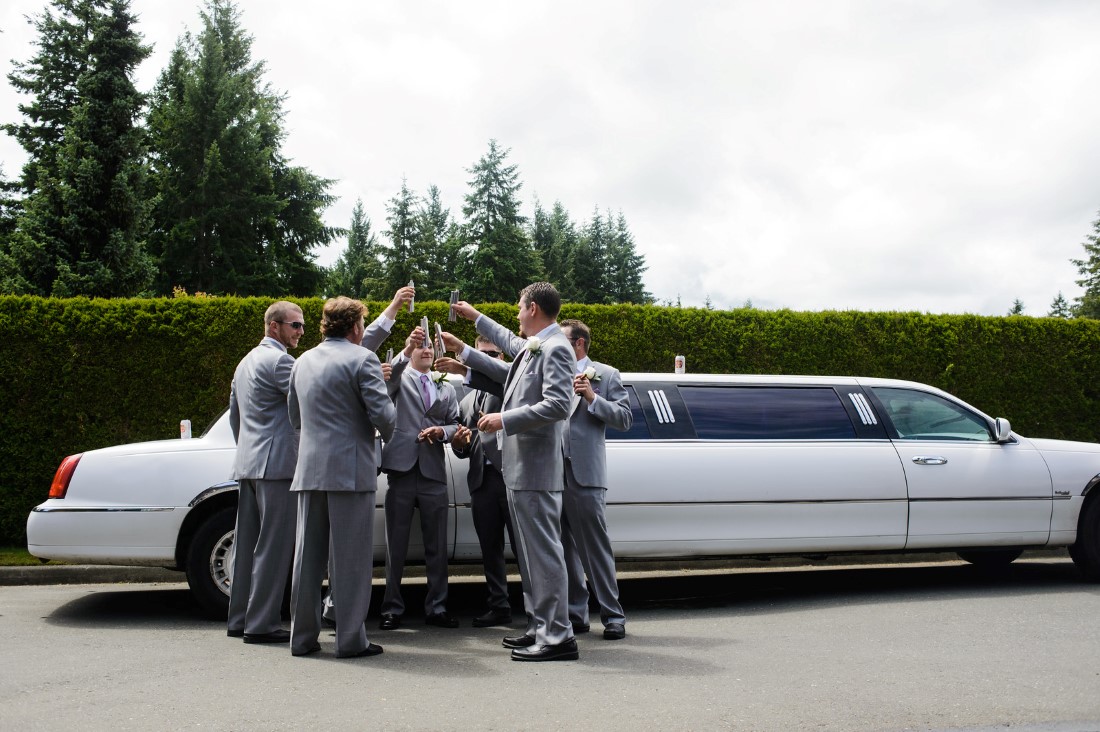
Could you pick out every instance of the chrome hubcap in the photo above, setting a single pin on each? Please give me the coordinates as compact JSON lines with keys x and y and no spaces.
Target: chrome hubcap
{"x":221,"y":563}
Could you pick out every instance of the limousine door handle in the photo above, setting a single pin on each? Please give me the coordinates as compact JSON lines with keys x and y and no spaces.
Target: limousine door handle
{"x":929,"y":460}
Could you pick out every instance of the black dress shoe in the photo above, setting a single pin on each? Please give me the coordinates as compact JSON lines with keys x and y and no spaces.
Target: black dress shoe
{"x":614,"y":631}
{"x":275,"y":636}
{"x":390,"y":622}
{"x":579,"y":628}
{"x":518,"y":641}
{"x":566,"y":651}
{"x":493,"y":617}
{"x":372,"y":649}
{"x":234,"y":633}
{"x":312,"y":649}
{"x":441,"y":620}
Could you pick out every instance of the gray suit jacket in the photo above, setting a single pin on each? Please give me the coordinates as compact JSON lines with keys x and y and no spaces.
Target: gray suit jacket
{"x":402,"y":452}
{"x":478,"y":450}
{"x":267,"y":444}
{"x":338,"y":398}
{"x":584,"y":440}
{"x":375,"y":335}
{"x":537,"y":397}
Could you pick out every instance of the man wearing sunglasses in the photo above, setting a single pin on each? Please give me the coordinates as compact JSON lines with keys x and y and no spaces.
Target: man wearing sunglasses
{"x":488,"y":496}
{"x":267,"y":452}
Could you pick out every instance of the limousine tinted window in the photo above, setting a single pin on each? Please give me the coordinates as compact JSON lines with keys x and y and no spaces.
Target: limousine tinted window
{"x":917,"y":415}
{"x":638,"y":429}
{"x":767,"y":413}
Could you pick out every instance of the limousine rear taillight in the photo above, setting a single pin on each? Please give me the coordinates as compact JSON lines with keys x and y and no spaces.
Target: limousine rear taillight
{"x":64,"y":474}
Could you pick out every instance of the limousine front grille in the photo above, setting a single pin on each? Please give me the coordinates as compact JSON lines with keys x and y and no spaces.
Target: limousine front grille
{"x":865,"y":412}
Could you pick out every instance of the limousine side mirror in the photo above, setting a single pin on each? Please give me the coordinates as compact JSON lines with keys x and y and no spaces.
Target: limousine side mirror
{"x":1002,"y":430}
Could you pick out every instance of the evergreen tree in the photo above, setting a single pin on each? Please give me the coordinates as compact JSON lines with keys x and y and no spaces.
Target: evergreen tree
{"x":1059,"y":308}
{"x":50,"y":79}
{"x":1017,"y":307}
{"x":503,"y":261}
{"x":555,"y":239}
{"x":403,"y":259}
{"x":590,"y":266}
{"x":441,"y":247}
{"x":358,"y":272}
{"x":1088,"y":304}
{"x":625,"y":266}
{"x":83,"y":221}
{"x":232,"y":214}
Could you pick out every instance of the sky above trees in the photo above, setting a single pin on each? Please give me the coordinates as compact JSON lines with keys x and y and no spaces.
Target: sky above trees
{"x":813,"y":155}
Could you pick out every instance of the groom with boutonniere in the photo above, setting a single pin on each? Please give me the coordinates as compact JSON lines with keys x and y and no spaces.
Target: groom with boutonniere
{"x":415,"y":465}
{"x":538,"y":392}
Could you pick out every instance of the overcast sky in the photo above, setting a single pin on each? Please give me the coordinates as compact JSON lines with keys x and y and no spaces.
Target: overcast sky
{"x":813,"y":154}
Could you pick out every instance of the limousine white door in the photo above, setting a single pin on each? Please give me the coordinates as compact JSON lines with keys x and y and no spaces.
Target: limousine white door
{"x":965,"y":489}
{"x":725,"y":487}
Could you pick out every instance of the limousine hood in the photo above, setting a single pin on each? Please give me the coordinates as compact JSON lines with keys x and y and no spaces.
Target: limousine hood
{"x":1048,"y":445}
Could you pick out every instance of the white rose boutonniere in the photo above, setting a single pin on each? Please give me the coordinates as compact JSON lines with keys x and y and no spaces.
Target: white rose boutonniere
{"x":591,"y":375}
{"x":439,"y":378}
{"x":534,"y":346}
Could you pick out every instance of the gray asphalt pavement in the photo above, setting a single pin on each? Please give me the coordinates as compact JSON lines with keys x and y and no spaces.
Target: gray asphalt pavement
{"x":918,"y":646}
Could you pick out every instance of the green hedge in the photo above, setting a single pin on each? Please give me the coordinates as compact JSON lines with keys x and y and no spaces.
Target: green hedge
{"x":80,"y":374}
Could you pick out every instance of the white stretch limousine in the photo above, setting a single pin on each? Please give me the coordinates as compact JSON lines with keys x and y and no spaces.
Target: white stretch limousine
{"x":713,"y":466}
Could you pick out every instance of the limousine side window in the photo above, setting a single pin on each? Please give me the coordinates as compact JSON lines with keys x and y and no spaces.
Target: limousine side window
{"x":767,"y":413}
{"x":917,"y":415}
{"x":638,"y":428}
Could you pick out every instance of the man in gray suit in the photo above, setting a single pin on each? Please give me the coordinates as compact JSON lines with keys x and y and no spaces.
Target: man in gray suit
{"x":427,"y":416}
{"x":374,"y":336}
{"x":488,"y":495}
{"x":337,"y":399}
{"x":535,"y":405}
{"x":603,"y":403}
{"x":267,"y":450}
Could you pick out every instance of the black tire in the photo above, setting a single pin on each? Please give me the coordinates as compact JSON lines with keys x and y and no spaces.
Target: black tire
{"x":991,"y":557}
{"x":208,"y":563}
{"x":1086,"y":551}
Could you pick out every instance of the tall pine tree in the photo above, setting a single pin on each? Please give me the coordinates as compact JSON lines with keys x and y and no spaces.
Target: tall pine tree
{"x":624,"y":265}
{"x":1088,"y":304}
{"x":590,"y":279}
{"x":358,"y":272}
{"x":232,"y":214}
{"x":403,"y":256}
{"x":82,"y":225}
{"x":555,"y":239}
{"x":503,"y":261}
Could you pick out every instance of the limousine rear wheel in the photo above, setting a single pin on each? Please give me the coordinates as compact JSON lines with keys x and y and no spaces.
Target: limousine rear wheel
{"x":1086,"y":551}
{"x":991,"y":557}
{"x":210,"y":562}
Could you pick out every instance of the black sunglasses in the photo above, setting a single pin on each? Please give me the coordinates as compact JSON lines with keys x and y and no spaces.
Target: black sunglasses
{"x":492,"y":354}
{"x":295,"y":325}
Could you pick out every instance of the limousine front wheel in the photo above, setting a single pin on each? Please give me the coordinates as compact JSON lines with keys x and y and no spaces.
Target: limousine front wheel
{"x":1086,"y":551}
{"x":991,"y":557}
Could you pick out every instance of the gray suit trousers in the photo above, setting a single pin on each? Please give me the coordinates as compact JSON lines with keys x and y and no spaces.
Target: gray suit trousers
{"x":408,"y":491}
{"x":536,"y":518}
{"x":349,"y":516}
{"x":588,"y":551}
{"x":264,"y":549}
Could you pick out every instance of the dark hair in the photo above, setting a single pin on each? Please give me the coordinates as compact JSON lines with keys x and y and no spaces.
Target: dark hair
{"x":579,"y":330}
{"x":544,"y":295}
{"x":340,"y":315}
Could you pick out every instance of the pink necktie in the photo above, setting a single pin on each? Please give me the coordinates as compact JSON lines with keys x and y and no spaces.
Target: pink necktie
{"x":424,"y":392}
